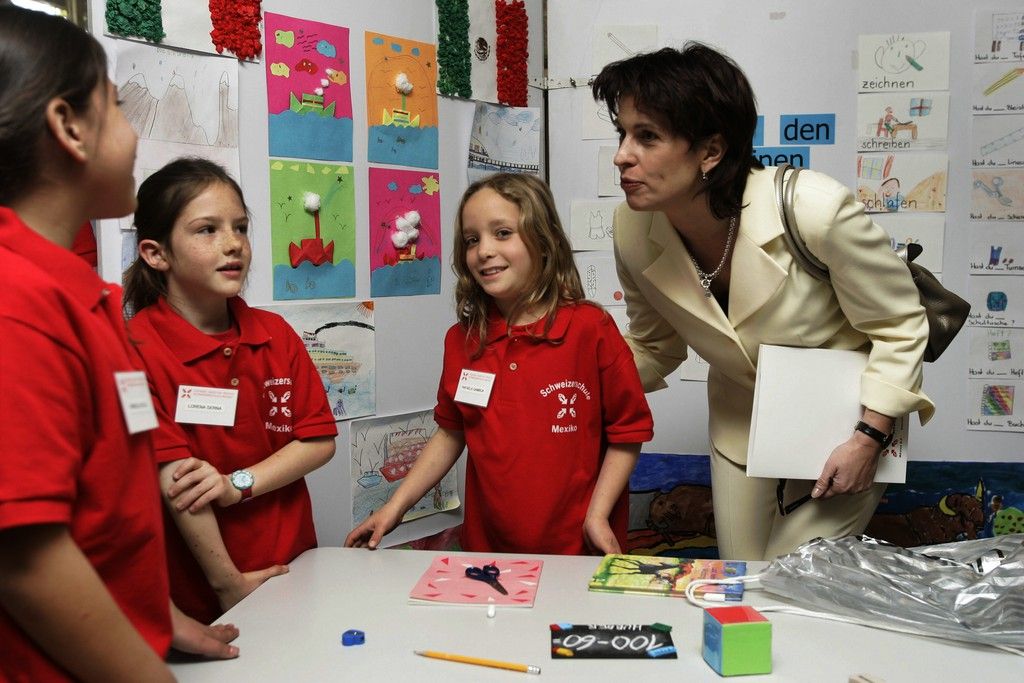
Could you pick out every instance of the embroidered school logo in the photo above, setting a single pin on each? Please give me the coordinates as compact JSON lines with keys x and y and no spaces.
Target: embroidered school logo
{"x":274,"y":400}
{"x":568,"y":396}
{"x":279,"y":412}
{"x":567,"y":406}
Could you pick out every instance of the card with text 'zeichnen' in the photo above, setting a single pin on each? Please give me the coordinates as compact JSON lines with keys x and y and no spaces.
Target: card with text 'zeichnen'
{"x":448,"y":581}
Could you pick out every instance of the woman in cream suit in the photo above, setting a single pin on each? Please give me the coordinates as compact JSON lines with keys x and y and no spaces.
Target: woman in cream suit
{"x":703,"y":263}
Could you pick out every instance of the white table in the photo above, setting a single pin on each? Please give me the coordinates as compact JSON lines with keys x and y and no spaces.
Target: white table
{"x":291,"y":631}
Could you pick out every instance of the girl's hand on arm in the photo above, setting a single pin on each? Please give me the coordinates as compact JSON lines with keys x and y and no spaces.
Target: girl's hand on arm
{"x":199,"y":639}
{"x":619,"y":461}
{"x":196,"y":484}
{"x":851,"y":466}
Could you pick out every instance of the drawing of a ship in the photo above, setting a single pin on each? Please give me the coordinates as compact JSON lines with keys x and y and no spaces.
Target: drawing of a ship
{"x":402,"y":454}
{"x":332,"y":364}
{"x":310,"y":102}
{"x":400,"y":118}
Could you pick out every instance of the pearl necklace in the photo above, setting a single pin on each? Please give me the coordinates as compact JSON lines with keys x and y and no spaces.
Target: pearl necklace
{"x":706,"y":278}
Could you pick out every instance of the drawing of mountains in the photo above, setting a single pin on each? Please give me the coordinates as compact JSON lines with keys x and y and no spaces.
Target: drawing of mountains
{"x":169,"y":119}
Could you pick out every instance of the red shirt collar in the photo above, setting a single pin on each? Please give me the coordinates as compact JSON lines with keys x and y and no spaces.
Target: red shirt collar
{"x":189,"y":344}
{"x":497,"y":326}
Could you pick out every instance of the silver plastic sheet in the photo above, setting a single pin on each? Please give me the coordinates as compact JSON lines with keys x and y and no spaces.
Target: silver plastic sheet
{"x":969,"y":591}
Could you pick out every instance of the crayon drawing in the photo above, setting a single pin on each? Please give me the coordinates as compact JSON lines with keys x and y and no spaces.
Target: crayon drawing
{"x":991,"y":405}
{"x":590,"y":224}
{"x":309,"y":96}
{"x":504,"y":139}
{"x":340,"y":340}
{"x":998,"y":36}
{"x":997,"y":250}
{"x":384,"y":449}
{"x":914,"y":181}
{"x":996,"y":301}
{"x":902,"y":122}
{"x":401,"y":101}
{"x":903,"y":61}
{"x":405,"y":232}
{"x":312,"y":226}
{"x":998,"y":140}
{"x":997,"y":88}
{"x":997,"y":194}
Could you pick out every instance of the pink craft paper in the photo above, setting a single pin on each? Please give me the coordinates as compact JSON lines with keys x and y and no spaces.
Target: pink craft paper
{"x":445,"y":581}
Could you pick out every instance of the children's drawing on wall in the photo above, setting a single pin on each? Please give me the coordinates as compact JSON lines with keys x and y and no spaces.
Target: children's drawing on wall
{"x":483,"y":39}
{"x":995,"y":353}
{"x":312,"y":226}
{"x":611,"y":43}
{"x":505,"y":139}
{"x":670,"y":509}
{"x":384,"y":449}
{"x":903,"y":61}
{"x":924,"y":229}
{"x":590,"y":224}
{"x":179,"y":104}
{"x":996,"y":301}
{"x":996,"y":250}
{"x":600,"y":280}
{"x":405,"y":232}
{"x":997,"y":194}
{"x":309,"y":94}
{"x":902,"y":122}
{"x":340,"y":340}
{"x":998,"y":35}
{"x":914,"y":181}
{"x":998,"y":88}
{"x":189,"y":24}
{"x":998,"y":140}
{"x":401,"y":101}
{"x":993,"y":405}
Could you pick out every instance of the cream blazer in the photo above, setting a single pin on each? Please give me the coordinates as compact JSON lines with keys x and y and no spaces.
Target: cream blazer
{"x":871,"y":303}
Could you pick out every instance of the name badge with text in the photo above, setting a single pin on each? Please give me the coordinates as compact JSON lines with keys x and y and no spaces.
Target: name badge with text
{"x":206,"y":406}
{"x":136,"y":401}
{"x":475,"y":387}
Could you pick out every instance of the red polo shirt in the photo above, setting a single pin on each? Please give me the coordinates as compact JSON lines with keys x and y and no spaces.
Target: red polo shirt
{"x":536,"y":450}
{"x":66,"y":456}
{"x":280,"y":398}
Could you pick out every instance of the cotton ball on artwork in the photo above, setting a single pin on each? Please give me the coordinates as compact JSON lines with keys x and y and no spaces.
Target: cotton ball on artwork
{"x":406,"y":229}
{"x":402,"y":84}
{"x":311,"y":201}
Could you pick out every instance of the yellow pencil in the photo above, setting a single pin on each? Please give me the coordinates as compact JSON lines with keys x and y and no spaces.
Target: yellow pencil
{"x":525,"y":668}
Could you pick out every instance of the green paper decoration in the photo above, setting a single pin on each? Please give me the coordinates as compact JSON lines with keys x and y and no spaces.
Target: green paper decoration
{"x":453,"y":56}
{"x":136,"y":18}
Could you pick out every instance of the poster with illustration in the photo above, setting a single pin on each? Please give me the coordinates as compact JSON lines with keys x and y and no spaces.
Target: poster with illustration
{"x":405,"y":232}
{"x":995,"y":353}
{"x":309,"y":96}
{"x":996,"y":250}
{"x":504,"y":139}
{"x":384,"y":449}
{"x":997,"y":140}
{"x":914,"y":181}
{"x":998,"y":35}
{"x":903,"y":61}
{"x":997,"y":88}
{"x":997,"y":194}
{"x":996,"y":301}
{"x":900,"y":122}
{"x":340,"y":340}
{"x":312,"y":230}
{"x":995,"y":405}
{"x":401,"y":101}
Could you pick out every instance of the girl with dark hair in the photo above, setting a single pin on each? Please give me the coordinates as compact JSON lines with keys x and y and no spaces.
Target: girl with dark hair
{"x":704,"y":265}
{"x":83,"y":578}
{"x":537,"y":383}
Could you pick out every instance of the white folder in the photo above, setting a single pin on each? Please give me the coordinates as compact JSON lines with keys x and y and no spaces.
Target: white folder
{"x":806,"y":402}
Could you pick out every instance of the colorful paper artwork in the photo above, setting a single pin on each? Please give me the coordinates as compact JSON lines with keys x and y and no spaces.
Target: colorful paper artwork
{"x":312,"y":226}
{"x":401,"y":102}
{"x":309,"y":96}
{"x":447,"y":582}
{"x":340,"y":340}
{"x":505,"y":139}
{"x":384,"y":449}
{"x":405,"y":232}
{"x":913,"y":181}
{"x":216,"y":27}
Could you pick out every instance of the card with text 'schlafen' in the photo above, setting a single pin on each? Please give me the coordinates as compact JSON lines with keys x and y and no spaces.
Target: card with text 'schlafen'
{"x":446,"y":582}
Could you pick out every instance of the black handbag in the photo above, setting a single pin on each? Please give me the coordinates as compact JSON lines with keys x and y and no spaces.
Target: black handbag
{"x":946,"y":312}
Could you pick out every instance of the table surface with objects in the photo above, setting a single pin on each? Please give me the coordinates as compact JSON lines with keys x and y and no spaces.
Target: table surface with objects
{"x":292,"y":630}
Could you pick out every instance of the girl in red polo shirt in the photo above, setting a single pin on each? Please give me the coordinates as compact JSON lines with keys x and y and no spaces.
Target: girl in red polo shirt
{"x":537,"y":383}
{"x":83,"y":583}
{"x":250,"y":416}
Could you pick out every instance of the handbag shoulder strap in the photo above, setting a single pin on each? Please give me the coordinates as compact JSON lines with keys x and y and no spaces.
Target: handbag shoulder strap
{"x":784,"y":192}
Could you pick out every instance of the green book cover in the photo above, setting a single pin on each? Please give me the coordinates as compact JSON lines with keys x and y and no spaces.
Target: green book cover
{"x":669,"y":576}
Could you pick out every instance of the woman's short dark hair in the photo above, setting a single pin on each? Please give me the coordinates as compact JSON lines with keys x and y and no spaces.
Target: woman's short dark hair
{"x":696,"y":92}
{"x":42,"y":57}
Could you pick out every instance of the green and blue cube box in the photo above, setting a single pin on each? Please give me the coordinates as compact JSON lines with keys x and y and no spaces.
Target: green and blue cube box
{"x":737,"y":641}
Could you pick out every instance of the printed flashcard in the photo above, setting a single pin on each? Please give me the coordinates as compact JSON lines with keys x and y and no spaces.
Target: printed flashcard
{"x":590,"y":224}
{"x":612,"y":43}
{"x":600,"y":280}
{"x":405,"y":232}
{"x":899,"y":122}
{"x":996,"y":250}
{"x":903,"y":61}
{"x":340,"y":340}
{"x":998,"y":35}
{"x":996,"y":301}
{"x":608,"y":184}
{"x":925,"y":229}
{"x":309,"y":90}
{"x":997,"y":140}
{"x":312,"y":230}
{"x":995,"y":405}
{"x":995,"y":353}
{"x":401,"y":101}
{"x":914,"y":181}
{"x":384,"y":449}
{"x":998,"y":88}
{"x":505,"y":139}
{"x":595,"y":119}
{"x":997,"y":194}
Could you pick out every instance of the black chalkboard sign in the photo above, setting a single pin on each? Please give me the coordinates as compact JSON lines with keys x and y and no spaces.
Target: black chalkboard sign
{"x":612,"y":641}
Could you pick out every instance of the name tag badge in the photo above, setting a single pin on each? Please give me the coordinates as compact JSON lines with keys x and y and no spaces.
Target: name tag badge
{"x":475,"y":387}
{"x":136,"y":401}
{"x":206,"y":406}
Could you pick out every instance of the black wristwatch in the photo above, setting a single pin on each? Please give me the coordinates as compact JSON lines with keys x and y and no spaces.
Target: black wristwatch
{"x":876,"y":434}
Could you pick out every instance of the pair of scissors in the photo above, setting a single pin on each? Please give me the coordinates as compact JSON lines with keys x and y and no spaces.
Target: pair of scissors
{"x":489,"y":574}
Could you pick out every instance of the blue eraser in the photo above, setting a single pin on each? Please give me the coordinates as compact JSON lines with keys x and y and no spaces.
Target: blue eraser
{"x":661,"y":651}
{"x":353,"y":637}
